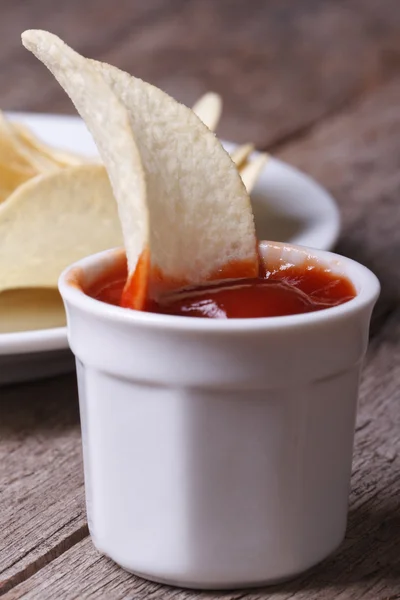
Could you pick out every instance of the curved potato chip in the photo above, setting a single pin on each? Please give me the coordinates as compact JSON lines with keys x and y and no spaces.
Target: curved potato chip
{"x":240,"y":154}
{"x":202,"y":224}
{"x":14,"y":151}
{"x":53,"y":220}
{"x":11,"y":178}
{"x":108,"y":122}
{"x":61,"y":158}
{"x":32,"y":308}
{"x":10,"y":152}
{"x":252,"y":170}
{"x":209,"y":108}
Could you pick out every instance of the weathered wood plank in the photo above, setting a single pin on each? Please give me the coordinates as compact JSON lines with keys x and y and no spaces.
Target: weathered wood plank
{"x":280,"y":65}
{"x":24,"y":83}
{"x":281,"y":68}
{"x":41,"y":480}
{"x":367,"y":566}
{"x":356,"y":155}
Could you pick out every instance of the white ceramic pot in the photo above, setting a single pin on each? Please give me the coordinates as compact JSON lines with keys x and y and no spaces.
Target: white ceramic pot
{"x":217,"y":453}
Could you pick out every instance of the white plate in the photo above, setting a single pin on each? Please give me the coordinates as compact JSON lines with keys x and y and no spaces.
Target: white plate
{"x":288,"y":206}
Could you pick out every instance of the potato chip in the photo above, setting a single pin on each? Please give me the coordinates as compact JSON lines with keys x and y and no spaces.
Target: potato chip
{"x":209,"y":108}
{"x":108,"y":121}
{"x":15,"y":153}
{"x":53,"y":220}
{"x":28,"y":309}
{"x":200,"y":214}
{"x":11,"y":178}
{"x":252,"y":170}
{"x":61,"y":158}
{"x":201,"y":220}
{"x":240,"y":154}
{"x":10,"y":152}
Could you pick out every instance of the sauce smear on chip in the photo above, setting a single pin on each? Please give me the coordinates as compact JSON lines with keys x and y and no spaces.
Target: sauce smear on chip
{"x":286,"y":290}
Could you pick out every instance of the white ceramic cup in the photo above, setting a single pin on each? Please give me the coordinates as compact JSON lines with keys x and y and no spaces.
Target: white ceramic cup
{"x":217,"y":453}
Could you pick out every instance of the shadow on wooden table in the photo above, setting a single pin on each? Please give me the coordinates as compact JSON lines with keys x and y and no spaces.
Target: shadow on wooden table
{"x":369,"y":550}
{"x":362,"y":560}
{"x":46,"y":407}
{"x":368,"y":554}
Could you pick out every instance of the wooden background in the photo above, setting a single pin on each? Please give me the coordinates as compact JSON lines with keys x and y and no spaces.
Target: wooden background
{"x":317,"y":82}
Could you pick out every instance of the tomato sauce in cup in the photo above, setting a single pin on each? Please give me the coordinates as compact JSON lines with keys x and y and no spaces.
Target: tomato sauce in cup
{"x":286,"y":290}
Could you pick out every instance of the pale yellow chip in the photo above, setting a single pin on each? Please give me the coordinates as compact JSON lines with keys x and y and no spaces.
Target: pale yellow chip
{"x":209,"y":108}
{"x":53,"y":220}
{"x":108,"y":122}
{"x":252,"y":171}
{"x":240,"y":154}
{"x":61,"y":158}
{"x":29,"y":309}
{"x":11,"y":178}
{"x":11,"y":152}
{"x":200,"y":213}
{"x":17,"y":154}
{"x":202,"y":224}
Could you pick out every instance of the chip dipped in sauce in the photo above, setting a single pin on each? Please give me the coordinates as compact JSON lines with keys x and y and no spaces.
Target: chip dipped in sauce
{"x":285,"y":290}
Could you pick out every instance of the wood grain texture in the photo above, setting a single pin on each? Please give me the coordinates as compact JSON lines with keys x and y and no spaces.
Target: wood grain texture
{"x":318,"y":81}
{"x":280,"y":65}
{"x":41,"y":479}
{"x":367,"y":566}
{"x":356,"y":155}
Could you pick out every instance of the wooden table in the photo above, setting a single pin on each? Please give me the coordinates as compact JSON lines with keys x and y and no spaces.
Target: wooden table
{"x":318,"y":83}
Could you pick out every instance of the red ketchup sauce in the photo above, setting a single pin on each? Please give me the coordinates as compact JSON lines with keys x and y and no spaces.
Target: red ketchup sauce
{"x":284,"y":290}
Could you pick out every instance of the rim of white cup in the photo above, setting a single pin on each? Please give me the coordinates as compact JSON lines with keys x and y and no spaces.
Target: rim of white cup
{"x":362,"y":278}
